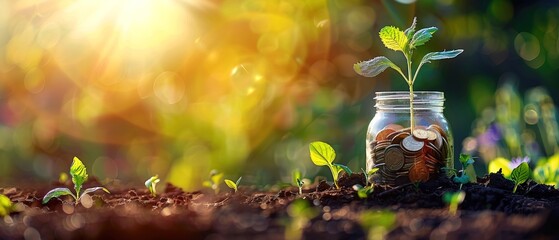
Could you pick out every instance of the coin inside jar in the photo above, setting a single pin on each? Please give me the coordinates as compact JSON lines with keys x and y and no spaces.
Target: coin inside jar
{"x":394,"y":158}
{"x":384,"y":133}
{"x":420,"y":134}
{"x":409,"y":143}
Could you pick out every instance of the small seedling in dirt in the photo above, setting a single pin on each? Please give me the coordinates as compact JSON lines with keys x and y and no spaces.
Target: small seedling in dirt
{"x":367,"y":174}
{"x":467,"y":173}
{"x":300,"y":212}
{"x":377,"y":223}
{"x":322,"y":154}
{"x":363,"y":192}
{"x":79,"y":176}
{"x":519,"y":175}
{"x":453,"y":199}
{"x":6,"y":205}
{"x":406,"y":42}
{"x":297,"y":180}
{"x":150,"y":184}
{"x":233,"y":185}
{"x":215,"y":179}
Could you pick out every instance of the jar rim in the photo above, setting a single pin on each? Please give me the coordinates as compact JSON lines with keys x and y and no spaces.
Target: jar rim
{"x":388,"y":95}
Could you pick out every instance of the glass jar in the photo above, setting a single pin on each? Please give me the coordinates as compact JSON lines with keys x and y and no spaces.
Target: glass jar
{"x":404,"y":154}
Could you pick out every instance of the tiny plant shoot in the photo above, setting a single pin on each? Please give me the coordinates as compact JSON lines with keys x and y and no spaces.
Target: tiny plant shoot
{"x":298,"y":180}
{"x":406,"y":42}
{"x":465,"y":176}
{"x":233,"y":185}
{"x":79,"y":176}
{"x":215,"y":179}
{"x":6,"y":206}
{"x":150,"y":184}
{"x":453,"y":199}
{"x":519,"y":175}
{"x":323,"y":154}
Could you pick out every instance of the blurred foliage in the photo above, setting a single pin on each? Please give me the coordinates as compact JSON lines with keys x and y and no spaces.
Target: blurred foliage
{"x":180,"y":87}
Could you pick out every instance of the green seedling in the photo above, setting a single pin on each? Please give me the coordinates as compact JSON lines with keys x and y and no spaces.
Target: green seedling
{"x":6,"y":205}
{"x":453,"y":199}
{"x":467,"y":173}
{"x":79,"y":176}
{"x":297,"y":180}
{"x":368,"y":174}
{"x":406,"y":42}
{"x":377,"y":223}
{"x":150,"y":184}
{"x":215,"y":179}
{"x":300,"y":212}
{"x":322,"y":154}
{"x":363,"y":192}
{"x":233,"y":185}
{"x":519,"y":175}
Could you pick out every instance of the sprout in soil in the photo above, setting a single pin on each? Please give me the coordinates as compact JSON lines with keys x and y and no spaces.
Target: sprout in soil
{"x":453,"y":199}
{"x":298,"y":180}
{"x":520,"y":174}
{"x":323,"y":154}
{"x":466,"y":174}
{"x":6,"y":206}
{"x":150,"y":184}
{"x":215,"y":179}
{"x":79,"y":176}
{"x":406,"y":42}
{"x":369,"y":173}
{"x":233,"y":185}
{"x":363,"y":192}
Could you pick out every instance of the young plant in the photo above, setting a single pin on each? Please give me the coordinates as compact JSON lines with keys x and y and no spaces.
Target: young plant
{"x":233,"y":185}
{"x":297,"y":180}
{"x":368,"y":174}
{"x":215,"y":179}
{"x":323,"y":154}
{"x":79,"y":176}
{"x":519,"y":175}
{"x":406,"y":42}
{"x":363,"y":192}
{"x":150,"y":184}
{"x":467,"y":173}
{"x":6,"y":205}
{"x":453,"y":199}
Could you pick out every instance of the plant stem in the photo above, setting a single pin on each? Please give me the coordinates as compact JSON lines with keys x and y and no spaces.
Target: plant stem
{"x":514,"y":189}
{"x":410,"y":84}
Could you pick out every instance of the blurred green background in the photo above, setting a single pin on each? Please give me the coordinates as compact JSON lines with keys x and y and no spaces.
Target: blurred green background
{"x":180,"y":87}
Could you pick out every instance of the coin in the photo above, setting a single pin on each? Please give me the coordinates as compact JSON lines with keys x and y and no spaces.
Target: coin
{"x":431,"y":135}
{"x":382,"y":135}
{"x":418,"y":173}
{"x":409,"y":143}
{"x":397,"y":139}
{"x":394,"y":158}
{"x":420,"y":134}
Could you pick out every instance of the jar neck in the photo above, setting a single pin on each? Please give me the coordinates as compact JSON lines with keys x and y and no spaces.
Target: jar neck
{"x":399,"y":101}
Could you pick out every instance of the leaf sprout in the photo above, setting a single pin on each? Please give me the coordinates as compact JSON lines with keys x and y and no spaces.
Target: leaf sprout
{"x":233,"y":185}
{"x":467,"y":173}
{"x":215,"y":179}
{"x":453,"y":199}
{"x":297,"y":180}
{"x":79,"y":176}
{"x":150,"y":184}
{"x":406,"y":42}
{"x":519,"y":175}
{"x":322,"y":154}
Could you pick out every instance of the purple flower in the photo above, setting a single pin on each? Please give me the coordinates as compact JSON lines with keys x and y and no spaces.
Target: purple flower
{"x":517,"y":161}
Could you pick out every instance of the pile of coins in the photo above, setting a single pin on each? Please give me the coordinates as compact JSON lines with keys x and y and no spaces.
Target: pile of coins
{"x":403,"y":156}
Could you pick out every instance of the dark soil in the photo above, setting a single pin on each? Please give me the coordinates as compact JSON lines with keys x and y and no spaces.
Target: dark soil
{"x":489,"y":211}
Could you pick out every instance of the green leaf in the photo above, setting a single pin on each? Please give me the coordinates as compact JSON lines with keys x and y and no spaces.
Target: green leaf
{"x":299,"y":182}
{"x":296,"y":176}
{"x":466,"y":160}
{"x":238,"y":181}
{"x":93,"y":189}
{"x":344,"y":167}
{"x":5,"y":205}
{"x":541,"y":174}
{"x":471,"y":173}
{"x":462,"y":179}
{"x":231,"y":184}
{"x":393,"y":38}
{"x":372,"y":171}
{"x":216,"y":178}
{"x":440,"y":55}
{"x":79,"y":174}
{"x":411,"y":30}
{"x":57,"y":192}
{"x":322,"y":154}
{"x":454,"y":198}
{"x":150,"y":184}
{"x":422,"y":36}
{"x":375,"y":66}
{"x":521,"y":173}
